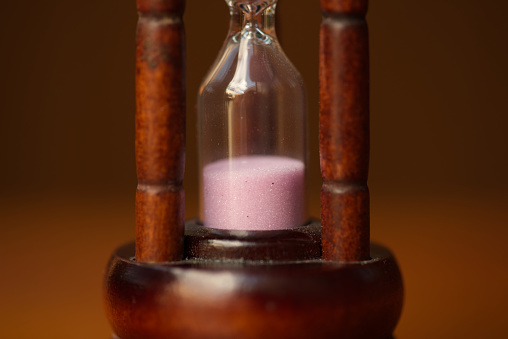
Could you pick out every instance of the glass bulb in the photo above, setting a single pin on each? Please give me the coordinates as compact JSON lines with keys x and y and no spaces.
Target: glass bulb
{"x":252,"y":128}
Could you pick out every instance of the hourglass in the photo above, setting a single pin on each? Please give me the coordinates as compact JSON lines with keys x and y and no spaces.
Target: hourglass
{"x":253,"y":264}
{"x":252,"y":111}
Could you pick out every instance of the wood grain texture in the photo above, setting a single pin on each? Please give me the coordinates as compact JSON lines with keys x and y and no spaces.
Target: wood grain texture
{"x":344,"y":130}
{"x":160,"y":130}
{"x":237,"y":299}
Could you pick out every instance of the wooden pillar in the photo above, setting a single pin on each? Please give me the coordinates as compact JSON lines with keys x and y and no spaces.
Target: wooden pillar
{"x":160,"y":130}
{"x":344,"y":130}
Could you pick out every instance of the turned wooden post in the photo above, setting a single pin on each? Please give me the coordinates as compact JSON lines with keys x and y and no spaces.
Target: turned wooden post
{"x":344,"y":130}
{"x":160,"y":130}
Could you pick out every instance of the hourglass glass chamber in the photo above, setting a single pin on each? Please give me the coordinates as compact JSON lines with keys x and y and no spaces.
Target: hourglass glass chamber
{"x":252,"y":128}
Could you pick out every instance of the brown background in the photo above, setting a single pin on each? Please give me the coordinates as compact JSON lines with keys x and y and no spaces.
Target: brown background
{"x":439,"y":160}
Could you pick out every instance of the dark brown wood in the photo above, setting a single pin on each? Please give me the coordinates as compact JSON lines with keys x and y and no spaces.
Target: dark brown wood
{"x":237,"y":299}
{"x":350,"y":7}
{"x":160,"y":130}
{"x":344,"y":130}
{"x":301,"y":243}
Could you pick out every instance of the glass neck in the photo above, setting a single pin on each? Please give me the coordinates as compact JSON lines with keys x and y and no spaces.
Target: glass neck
{"x":245,"y":22}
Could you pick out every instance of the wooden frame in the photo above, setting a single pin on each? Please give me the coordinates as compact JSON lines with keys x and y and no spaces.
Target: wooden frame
{"x":323,"y":280}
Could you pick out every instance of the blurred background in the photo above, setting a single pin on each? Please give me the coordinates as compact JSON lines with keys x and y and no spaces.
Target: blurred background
{"x":439,"y":160}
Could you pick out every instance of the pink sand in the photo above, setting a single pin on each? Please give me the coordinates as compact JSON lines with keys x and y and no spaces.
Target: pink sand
{"x":254,"y":193}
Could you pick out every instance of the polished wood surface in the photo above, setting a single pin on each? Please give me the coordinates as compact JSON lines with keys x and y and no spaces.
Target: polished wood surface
{"x":252,"y":299}
{"x":344,"y":130}
{"x":160,"y":130}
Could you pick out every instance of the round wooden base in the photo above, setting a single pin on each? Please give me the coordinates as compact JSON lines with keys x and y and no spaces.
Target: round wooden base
{"x":203,"y":298}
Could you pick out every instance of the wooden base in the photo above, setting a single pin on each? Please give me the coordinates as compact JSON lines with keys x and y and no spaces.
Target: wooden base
{"x":203,"y":298}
